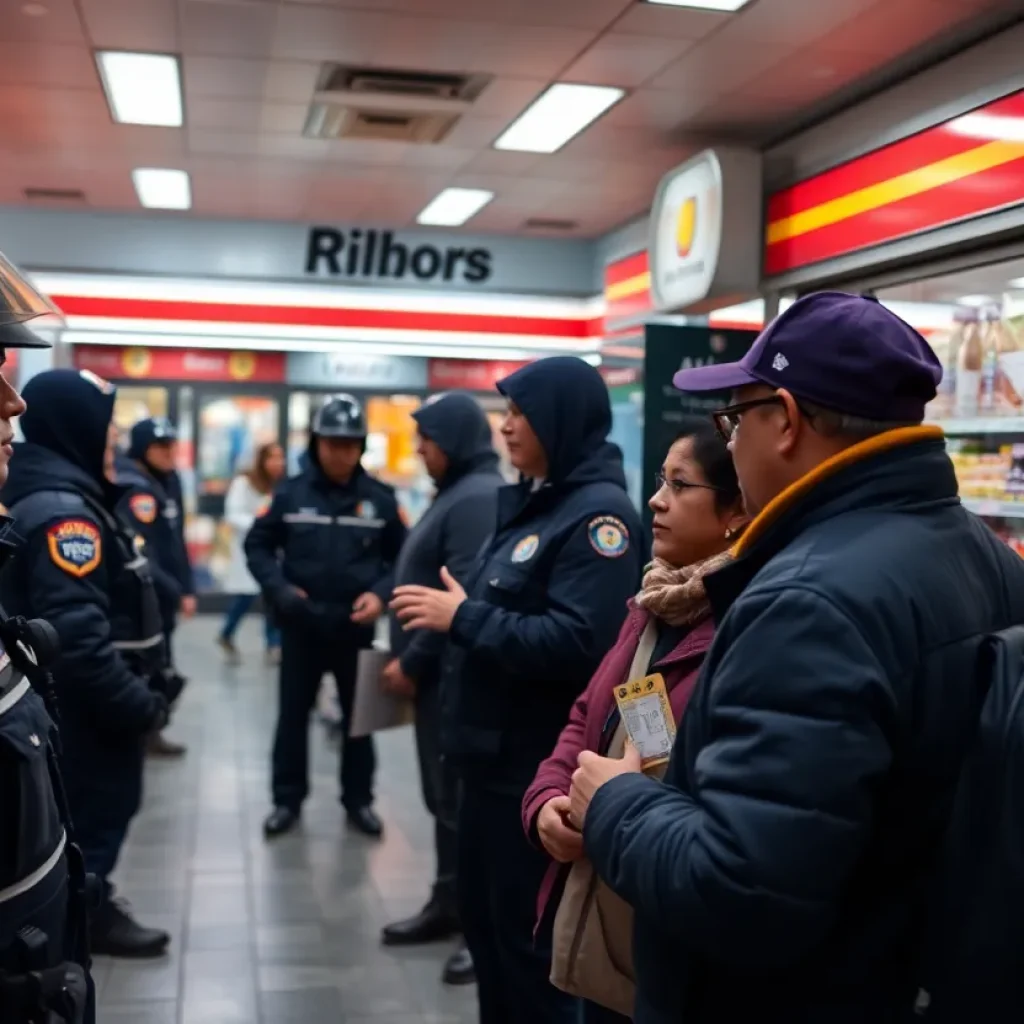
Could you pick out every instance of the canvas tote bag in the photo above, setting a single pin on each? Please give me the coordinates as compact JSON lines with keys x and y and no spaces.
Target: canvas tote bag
{"x":592,"y":950}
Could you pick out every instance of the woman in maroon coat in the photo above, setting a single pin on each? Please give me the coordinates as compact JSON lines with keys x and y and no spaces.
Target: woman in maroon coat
{"x":698,"y":510}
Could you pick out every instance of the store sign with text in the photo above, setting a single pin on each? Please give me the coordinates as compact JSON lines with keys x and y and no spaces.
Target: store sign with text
{"x":334,"y":370}
{"x":703,"y":246}
{"x":369,"y":255}
{"x":120,"y":362}
{"x":469,"y":374}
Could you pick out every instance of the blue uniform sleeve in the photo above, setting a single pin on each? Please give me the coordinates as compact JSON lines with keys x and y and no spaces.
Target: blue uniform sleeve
{"x":391,"y":541}
{"x":463,"y":532}
{"x":68,"y":586}
{"x":139,"y":508}
{"x":586,"y":602}
{"x":264,"y":544}
{"x":750,"y":868}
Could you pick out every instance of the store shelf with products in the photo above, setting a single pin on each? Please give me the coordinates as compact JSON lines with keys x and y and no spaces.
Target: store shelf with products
{"x":978,"y":336}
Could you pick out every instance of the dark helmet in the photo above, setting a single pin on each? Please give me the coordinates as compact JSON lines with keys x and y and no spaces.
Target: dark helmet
{"x":340,"y":416}
{"x":19,"y":303}
{"x":154,"y":430}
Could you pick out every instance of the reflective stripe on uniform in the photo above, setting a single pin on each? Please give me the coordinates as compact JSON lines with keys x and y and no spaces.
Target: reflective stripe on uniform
{"x":32,"y":880}
{"x":306,"y":517}
{"x":375,"y":524}
{"x":138,"y":645}
{"x":10,"y":699}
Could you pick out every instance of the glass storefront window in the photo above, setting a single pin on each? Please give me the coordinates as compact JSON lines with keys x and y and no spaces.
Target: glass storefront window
{"x":134,"y":403}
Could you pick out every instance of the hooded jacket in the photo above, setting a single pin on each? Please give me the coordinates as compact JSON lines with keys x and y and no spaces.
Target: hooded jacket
{"x":780,"y":871}
{"x":334,"y":541}
{"x":66,"y":570}
{"x":453,"y":530}
{"x":164,"y":534}
{"x":549,"y":591}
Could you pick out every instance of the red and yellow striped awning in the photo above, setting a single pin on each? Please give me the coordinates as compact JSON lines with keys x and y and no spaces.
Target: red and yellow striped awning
{"x":627,"y":289}
{"x":968,"y":166}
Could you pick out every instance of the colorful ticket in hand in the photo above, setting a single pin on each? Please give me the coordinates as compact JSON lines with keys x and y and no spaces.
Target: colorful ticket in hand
{"x":647,"y":718}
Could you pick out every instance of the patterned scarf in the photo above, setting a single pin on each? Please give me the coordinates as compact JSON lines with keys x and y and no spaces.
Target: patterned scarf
{"x":677,"y":596}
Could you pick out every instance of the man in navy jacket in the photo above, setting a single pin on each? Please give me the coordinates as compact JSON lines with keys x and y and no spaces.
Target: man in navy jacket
{"x":458,"y":453}
{"x":526,"y":632}
{"x":781,"y":872}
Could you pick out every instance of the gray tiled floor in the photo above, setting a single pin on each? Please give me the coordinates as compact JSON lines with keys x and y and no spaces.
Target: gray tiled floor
{"x":272,"y":933}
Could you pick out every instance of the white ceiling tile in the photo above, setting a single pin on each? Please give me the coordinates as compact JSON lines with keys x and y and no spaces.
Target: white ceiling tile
{"x":291,"y":81}
{"x":508,"y":97}
{"x":217,"y":142}
{"x":226,"y":30}
{"x":55,"y":67}
{"x":229,"y":78}
{"x":228,"y":115}
{"x":294,"y":148}
{"x":476,"y":132}
{"x":60,"y":25}
{"x":500,"y":161}
{"x":792,"y":23}
{"x":716,"y":65}
{"x":675,"y":22}
{"x":323,"y":34}
{"x":283,"y":118}
{"x":437,"y":157}
{"x":658,"y":110}
{"x":625,"y":60}
{"x":150,"y":26}
{"x":367,"y":151}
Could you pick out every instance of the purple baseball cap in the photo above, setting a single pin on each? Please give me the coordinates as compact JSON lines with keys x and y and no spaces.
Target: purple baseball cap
{"x":844,"y":352}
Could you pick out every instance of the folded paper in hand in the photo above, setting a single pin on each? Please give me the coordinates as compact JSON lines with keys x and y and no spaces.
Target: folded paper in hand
{"x":374,"y":709}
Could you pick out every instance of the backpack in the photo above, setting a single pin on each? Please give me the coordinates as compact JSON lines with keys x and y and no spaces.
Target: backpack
{"x":973,"y":967}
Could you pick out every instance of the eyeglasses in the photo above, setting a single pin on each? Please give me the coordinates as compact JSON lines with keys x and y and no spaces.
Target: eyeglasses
{"x":679,"y":486}
{"x":727,"y":420}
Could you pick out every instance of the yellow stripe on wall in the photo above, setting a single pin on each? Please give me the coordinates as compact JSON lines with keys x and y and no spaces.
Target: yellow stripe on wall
{"x":631,"y":286}
{"x":942,"y":172}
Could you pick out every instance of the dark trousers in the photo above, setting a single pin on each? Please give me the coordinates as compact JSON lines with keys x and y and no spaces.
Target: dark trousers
{"x":499,"y":877}
{"x":440,"y":792}
{"x":305,"y":656}
{"x":594,"y":1014}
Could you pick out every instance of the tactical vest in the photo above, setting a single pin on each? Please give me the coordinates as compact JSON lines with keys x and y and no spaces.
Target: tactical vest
{"x":136,"y":627}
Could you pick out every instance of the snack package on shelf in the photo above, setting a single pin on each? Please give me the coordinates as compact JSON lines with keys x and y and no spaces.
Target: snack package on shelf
{"x":985,"y":474}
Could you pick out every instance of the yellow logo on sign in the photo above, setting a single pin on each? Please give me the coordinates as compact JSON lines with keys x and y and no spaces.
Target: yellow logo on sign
{"x":241,"y":365}
{"x":136,"y":362}
{"x":686,"y":226}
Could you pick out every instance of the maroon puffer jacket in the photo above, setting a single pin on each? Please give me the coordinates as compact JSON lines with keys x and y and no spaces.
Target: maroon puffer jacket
{"x":590,"y":714}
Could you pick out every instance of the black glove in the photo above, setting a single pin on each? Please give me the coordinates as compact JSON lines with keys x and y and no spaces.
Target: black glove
{"x":168,"y":684}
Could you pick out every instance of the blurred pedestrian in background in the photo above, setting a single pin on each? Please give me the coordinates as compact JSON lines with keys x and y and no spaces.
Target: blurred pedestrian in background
{"x":527,"y":631}
{"x":698,"y":513}
{"x":456,"y":445}
{"x":248,"y":497}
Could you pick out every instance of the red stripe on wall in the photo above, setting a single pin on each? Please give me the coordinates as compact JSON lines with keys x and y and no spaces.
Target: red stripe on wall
{"x":972,"y":196}
{"x":900,"y":157}
{"x":311,"y":316}
{"x":623,"y":270}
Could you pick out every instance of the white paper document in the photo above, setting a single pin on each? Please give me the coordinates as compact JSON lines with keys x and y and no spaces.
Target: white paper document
{"x":374,"y":709}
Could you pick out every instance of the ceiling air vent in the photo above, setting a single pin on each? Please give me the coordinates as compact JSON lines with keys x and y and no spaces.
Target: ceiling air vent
{"x":391,"y":105}
{"x":550,"y":224}
{"x":55,"y":195}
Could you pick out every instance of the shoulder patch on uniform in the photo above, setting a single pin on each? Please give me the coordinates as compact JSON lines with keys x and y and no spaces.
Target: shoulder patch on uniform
{"x":608,"y":536}
{"x":525,"y":548}
{"x":143,"y":507}
{"x":75,"y":546}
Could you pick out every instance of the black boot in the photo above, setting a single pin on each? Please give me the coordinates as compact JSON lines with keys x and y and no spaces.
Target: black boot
{"x":363,"y":819}
{"x":431,"y":924}
{"x":458,"y":969}
{"x":115,"y":932}
{"x":279,"y":821}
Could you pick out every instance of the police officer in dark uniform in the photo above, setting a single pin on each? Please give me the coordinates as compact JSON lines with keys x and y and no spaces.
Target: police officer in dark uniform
{"x":324,"y":554}
{"x":153,"y":506}
{"x":44,"y":956}
{"x":544,"y":605}
{"x":83,"y":571}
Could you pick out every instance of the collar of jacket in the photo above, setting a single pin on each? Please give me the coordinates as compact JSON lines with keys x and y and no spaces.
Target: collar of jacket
{"x":835,"y":485}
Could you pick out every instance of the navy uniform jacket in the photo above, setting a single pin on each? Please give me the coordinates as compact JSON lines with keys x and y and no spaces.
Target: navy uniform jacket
{"x":64,"y":573}
{"x":549,"y":592}
{"x":779,"y":871}
{"x":152,"y":506}
{"x":334,"y":542}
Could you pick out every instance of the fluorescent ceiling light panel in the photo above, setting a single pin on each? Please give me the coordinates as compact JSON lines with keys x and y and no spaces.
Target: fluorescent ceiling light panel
{"x":142,"y":88}
{"x":558,"y":115}
{"x":160,"y":189}
{"x":1017,"y":283}
{"x":703,"y":5}
{"x":974,"y":300}
{"x":454,"y":206}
